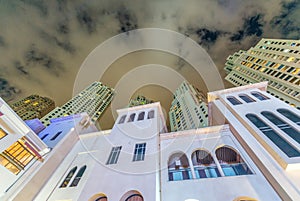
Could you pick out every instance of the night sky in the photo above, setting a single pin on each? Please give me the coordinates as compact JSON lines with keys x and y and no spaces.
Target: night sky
{"x":44,"y":43}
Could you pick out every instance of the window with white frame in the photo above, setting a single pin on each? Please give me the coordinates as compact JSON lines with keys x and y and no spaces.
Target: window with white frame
{"x":139,"y":152}
{"x":114,"y":155}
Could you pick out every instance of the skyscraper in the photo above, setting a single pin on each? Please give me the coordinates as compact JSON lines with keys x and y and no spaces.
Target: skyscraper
{"x":93,"y":100}
{"x":272,"y":60}
{"x":188,"y":108}
{"x":33,"y":106}
{"x":139,"y":100}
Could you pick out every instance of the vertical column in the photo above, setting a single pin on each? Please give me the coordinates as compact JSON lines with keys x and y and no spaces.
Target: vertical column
{"x":192,"y":167}
{"x":218,"y":165}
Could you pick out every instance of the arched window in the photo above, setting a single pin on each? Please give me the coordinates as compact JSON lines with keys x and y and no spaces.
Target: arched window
{"x":246,"y":98}
{"x":204,"y":165}
{"x":141,"y":116}
{"x":102,"y":198}
{"x":259,"y":95}
{"x":135,"y":197}
{"x":231,"y":162}
{"x":290,"y":115}
{"x":98,"y":197}
{"x":178,"y":167}
{"x":131,"y":117}
{"x":243,"y":198}
{"x":46,"y":135}
{"x":122,"y":119}
{"x":281,"y":143}
{"x":151,"y":114}
{"x":233,"y":100}
{"x":78,"y":176}
{"x":132,"y":195}
{"x":282,"y":125}
{"x":68,"y":178}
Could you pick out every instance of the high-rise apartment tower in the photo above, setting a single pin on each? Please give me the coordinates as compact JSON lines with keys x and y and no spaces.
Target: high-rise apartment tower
{"x":188,"y":109}
{"x":273,"y":60}
{"x":93,"y":100}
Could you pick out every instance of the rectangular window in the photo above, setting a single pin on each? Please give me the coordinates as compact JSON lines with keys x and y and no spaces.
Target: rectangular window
{"x":114,"y":155}
{"x":139,"y":152}
{"x":16,"y":157}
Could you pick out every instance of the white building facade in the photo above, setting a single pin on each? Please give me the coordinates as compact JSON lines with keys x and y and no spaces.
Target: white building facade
{"x":233,"y":159}
{"x":268,"y":130}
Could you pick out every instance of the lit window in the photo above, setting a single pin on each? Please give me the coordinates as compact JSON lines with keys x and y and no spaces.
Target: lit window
{"x":2,"y":133}
{"x":16,"y":157}
{"x":78,"y":176}
{"x":114,"y":155}
{"x":290,"y":59}
{"x":68,"y":178}
{"x":139,"y":152}
{"x":280,"y":142}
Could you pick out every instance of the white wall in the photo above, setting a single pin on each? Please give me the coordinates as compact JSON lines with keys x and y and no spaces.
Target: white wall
{"x":220,"y":188}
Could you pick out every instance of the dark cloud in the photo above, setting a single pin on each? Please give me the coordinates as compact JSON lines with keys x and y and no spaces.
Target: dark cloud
{"x":63,"y":28}
{"x":204,"y":36}
{"x":127,"y":20}
{"x":7,"y":92}
{"x":21,"y":68}
{"x":208,"y":36}
{"x":34,"y":57}
{"x":62,"y":43}
{"x":288,"y":20}
{"x":251,"y":26}
{"x":85,"y":18}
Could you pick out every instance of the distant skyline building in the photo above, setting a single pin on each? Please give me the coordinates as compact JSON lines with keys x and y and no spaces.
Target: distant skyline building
{"x":188,"y":109}
{"x":249,"y":152}
{"x":93,"y":100}
{"x":274,"y":60}
{"x":33,"y":106}
{"x":139,"y":100}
